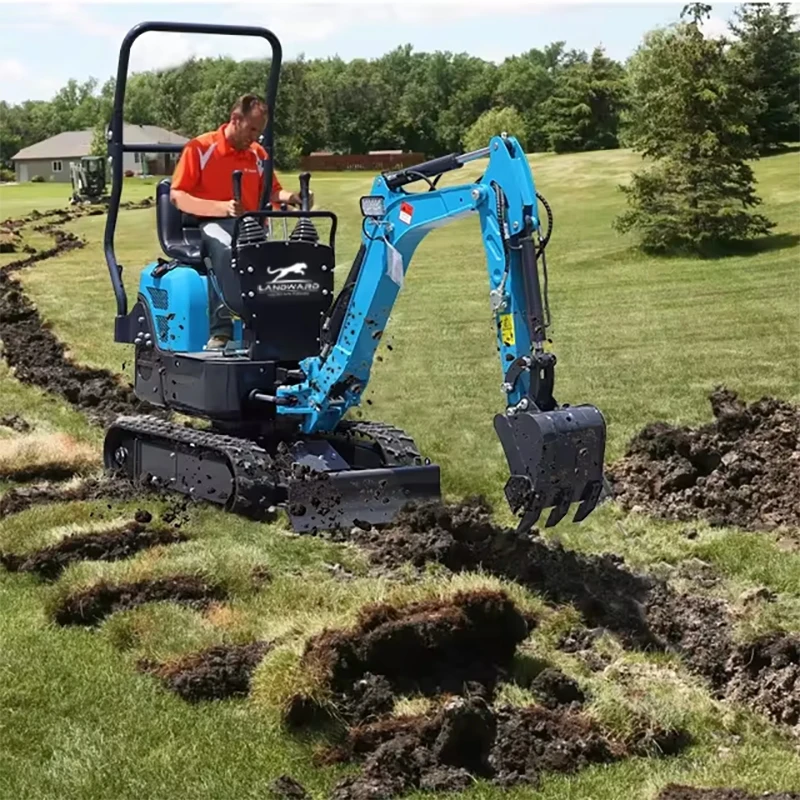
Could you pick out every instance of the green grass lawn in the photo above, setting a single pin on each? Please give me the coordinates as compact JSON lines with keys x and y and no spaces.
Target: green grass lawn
{"x":642,"y":338}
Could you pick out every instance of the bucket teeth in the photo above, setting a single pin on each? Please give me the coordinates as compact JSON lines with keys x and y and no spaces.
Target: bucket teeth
{"x":591,"y":494}
{"x":560,"y":509}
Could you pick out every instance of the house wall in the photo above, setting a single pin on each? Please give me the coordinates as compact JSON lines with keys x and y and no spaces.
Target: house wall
{"x":44,"y":167}
{"x":158,"y":164}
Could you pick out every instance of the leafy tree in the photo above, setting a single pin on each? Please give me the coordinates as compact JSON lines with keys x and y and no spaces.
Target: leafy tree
{"x":767,"y":57}
{"x":99,"y":145}
{"x":526,"y":82}
{"x":493,"y":123}
{"x":691,"y":117}
{"x":583,"y":111}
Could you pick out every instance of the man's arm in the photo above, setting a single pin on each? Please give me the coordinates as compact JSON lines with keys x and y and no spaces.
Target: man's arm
{"x":290,"y":198}
{"x":190,"y":204}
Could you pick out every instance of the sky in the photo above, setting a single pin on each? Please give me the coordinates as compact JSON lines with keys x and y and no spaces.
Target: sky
{"x":43,"y":45}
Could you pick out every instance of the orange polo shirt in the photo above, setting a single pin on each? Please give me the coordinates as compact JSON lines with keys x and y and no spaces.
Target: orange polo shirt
{"x":207,"y":163}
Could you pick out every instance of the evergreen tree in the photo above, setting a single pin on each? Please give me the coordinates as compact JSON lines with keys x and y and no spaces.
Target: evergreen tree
{"x":767,"y":55}
{"x":689,"y":114}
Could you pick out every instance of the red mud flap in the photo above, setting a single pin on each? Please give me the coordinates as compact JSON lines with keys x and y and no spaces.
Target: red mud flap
{"x":330,"y":500}
{"x":555,"y":459}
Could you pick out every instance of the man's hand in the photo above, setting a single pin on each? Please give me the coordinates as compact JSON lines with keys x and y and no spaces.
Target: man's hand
{"x":296,"y":200}
{"x":233,"y":208}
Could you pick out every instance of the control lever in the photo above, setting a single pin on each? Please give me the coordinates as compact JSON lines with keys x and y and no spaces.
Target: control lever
{"x":237,"y":185}
{"x":305,"y":194}
{"x":305,"y":231}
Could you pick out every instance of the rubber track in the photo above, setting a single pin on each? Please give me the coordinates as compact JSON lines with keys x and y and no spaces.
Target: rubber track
{"x":253,"y":467}
{"x":398,"y":449}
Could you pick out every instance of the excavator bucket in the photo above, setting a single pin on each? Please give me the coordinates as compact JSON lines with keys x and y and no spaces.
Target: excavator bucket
{"x":555,"y":459}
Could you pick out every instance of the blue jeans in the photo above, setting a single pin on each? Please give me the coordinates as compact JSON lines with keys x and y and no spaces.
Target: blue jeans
{"x":217,"y":235}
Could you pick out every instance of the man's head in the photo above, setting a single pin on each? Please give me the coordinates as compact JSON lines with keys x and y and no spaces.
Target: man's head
{"x":248,"y":118}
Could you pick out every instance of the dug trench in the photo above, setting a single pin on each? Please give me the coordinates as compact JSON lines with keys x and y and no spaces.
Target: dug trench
{"x":35,"y":353}
{"x":90,"y":606}
{"x":216,"y":673}
{"x":111,"y":545}
{"x":455,"y":651}
{"x":742,"y":469}
{"x":644,"y":612}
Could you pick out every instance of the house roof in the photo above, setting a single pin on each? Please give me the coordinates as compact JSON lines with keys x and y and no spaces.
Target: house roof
{"x":74,"y":144}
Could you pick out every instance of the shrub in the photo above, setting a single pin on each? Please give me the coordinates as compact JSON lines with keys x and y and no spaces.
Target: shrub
{"x":7,"y":175}
{"x":37,"y":179}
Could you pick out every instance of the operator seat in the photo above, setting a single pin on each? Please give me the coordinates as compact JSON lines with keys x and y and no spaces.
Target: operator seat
{"x":178,"y":233}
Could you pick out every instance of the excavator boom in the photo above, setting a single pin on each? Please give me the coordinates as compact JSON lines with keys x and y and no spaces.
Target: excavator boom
{"x":555,"y":454}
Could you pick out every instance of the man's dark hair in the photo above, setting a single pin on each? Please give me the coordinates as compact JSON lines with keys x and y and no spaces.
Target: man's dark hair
{"x":247,"y":103}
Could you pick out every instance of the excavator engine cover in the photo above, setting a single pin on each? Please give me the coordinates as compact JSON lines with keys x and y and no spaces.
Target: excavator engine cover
{"x":555,"y":458}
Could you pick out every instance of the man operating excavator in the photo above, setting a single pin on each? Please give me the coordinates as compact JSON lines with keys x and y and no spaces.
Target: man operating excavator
{"x":202,"y":185}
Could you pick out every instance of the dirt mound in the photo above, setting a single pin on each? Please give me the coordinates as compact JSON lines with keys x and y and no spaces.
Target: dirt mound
{"x":37,"y":357}
{"x":92,"y":605}
{"x":676,"y":792}
{"x":765,"y":674}
{"x":642,"y":611}
{"x":33,"y":350}
{"x":216,"y":673}
{"x":743,"y":469}
{"x":21,"y":498}
{"x":463,"y":537}
{"x":285,"y":787}
{"x":554,"y":689}
{"x":112,"y":545}
{"x":430,"y":647}
{"x":467,"y":739}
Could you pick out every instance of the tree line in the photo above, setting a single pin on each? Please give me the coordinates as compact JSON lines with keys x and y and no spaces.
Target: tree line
{"x":698,"y":108}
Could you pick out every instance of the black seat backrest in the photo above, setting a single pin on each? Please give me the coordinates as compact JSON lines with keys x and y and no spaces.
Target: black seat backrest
{"x":178,"y":233}
{"x":281,"y":291}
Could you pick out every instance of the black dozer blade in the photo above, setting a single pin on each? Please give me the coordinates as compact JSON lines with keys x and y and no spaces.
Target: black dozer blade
{"x":358,"y":497}
{"x":555,"y":459}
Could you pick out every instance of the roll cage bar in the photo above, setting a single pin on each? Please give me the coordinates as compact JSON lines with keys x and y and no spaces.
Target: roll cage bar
{"x":117,"y":147}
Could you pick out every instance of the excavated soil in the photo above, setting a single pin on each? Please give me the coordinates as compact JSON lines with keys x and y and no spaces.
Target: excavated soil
{"x":113,"y":545}
{"x":468,"y":739}
{"x":92,"y":605}
{"x":285,"y":787}
{"x":216,"y":673}
{"x":641,"y":610}
{"x":22,"y":498}
{"x":431,"y":647}
{"x":37,"y":357}
{"x":742,"y":469}
{"x":34,"y":352}
{"x":463,"y":537}
{"x":675,"y":792}
{"x":455,"y":651}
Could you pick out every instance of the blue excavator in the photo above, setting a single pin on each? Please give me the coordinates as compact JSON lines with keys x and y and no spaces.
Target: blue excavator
{"x":275,"y":401}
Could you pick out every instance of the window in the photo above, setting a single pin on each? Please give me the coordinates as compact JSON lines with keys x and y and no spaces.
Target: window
{"x":57,"y":166}
{"x":137,"y":157}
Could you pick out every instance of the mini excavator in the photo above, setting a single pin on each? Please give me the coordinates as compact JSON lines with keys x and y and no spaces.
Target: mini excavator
{"x":275,"y":400}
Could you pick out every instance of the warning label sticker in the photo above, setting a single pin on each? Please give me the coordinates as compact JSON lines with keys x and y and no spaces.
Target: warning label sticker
{"x":406,"y":212}
{"x":507,"y":328}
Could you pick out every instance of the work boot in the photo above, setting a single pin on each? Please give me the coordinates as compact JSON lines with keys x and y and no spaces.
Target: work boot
{"x":217,"y":342}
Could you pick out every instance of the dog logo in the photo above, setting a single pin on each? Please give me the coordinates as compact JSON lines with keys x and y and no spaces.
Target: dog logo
{"x":282,"y":273}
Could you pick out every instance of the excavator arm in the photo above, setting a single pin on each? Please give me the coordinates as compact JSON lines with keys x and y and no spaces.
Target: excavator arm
{"x":555,"y":455}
